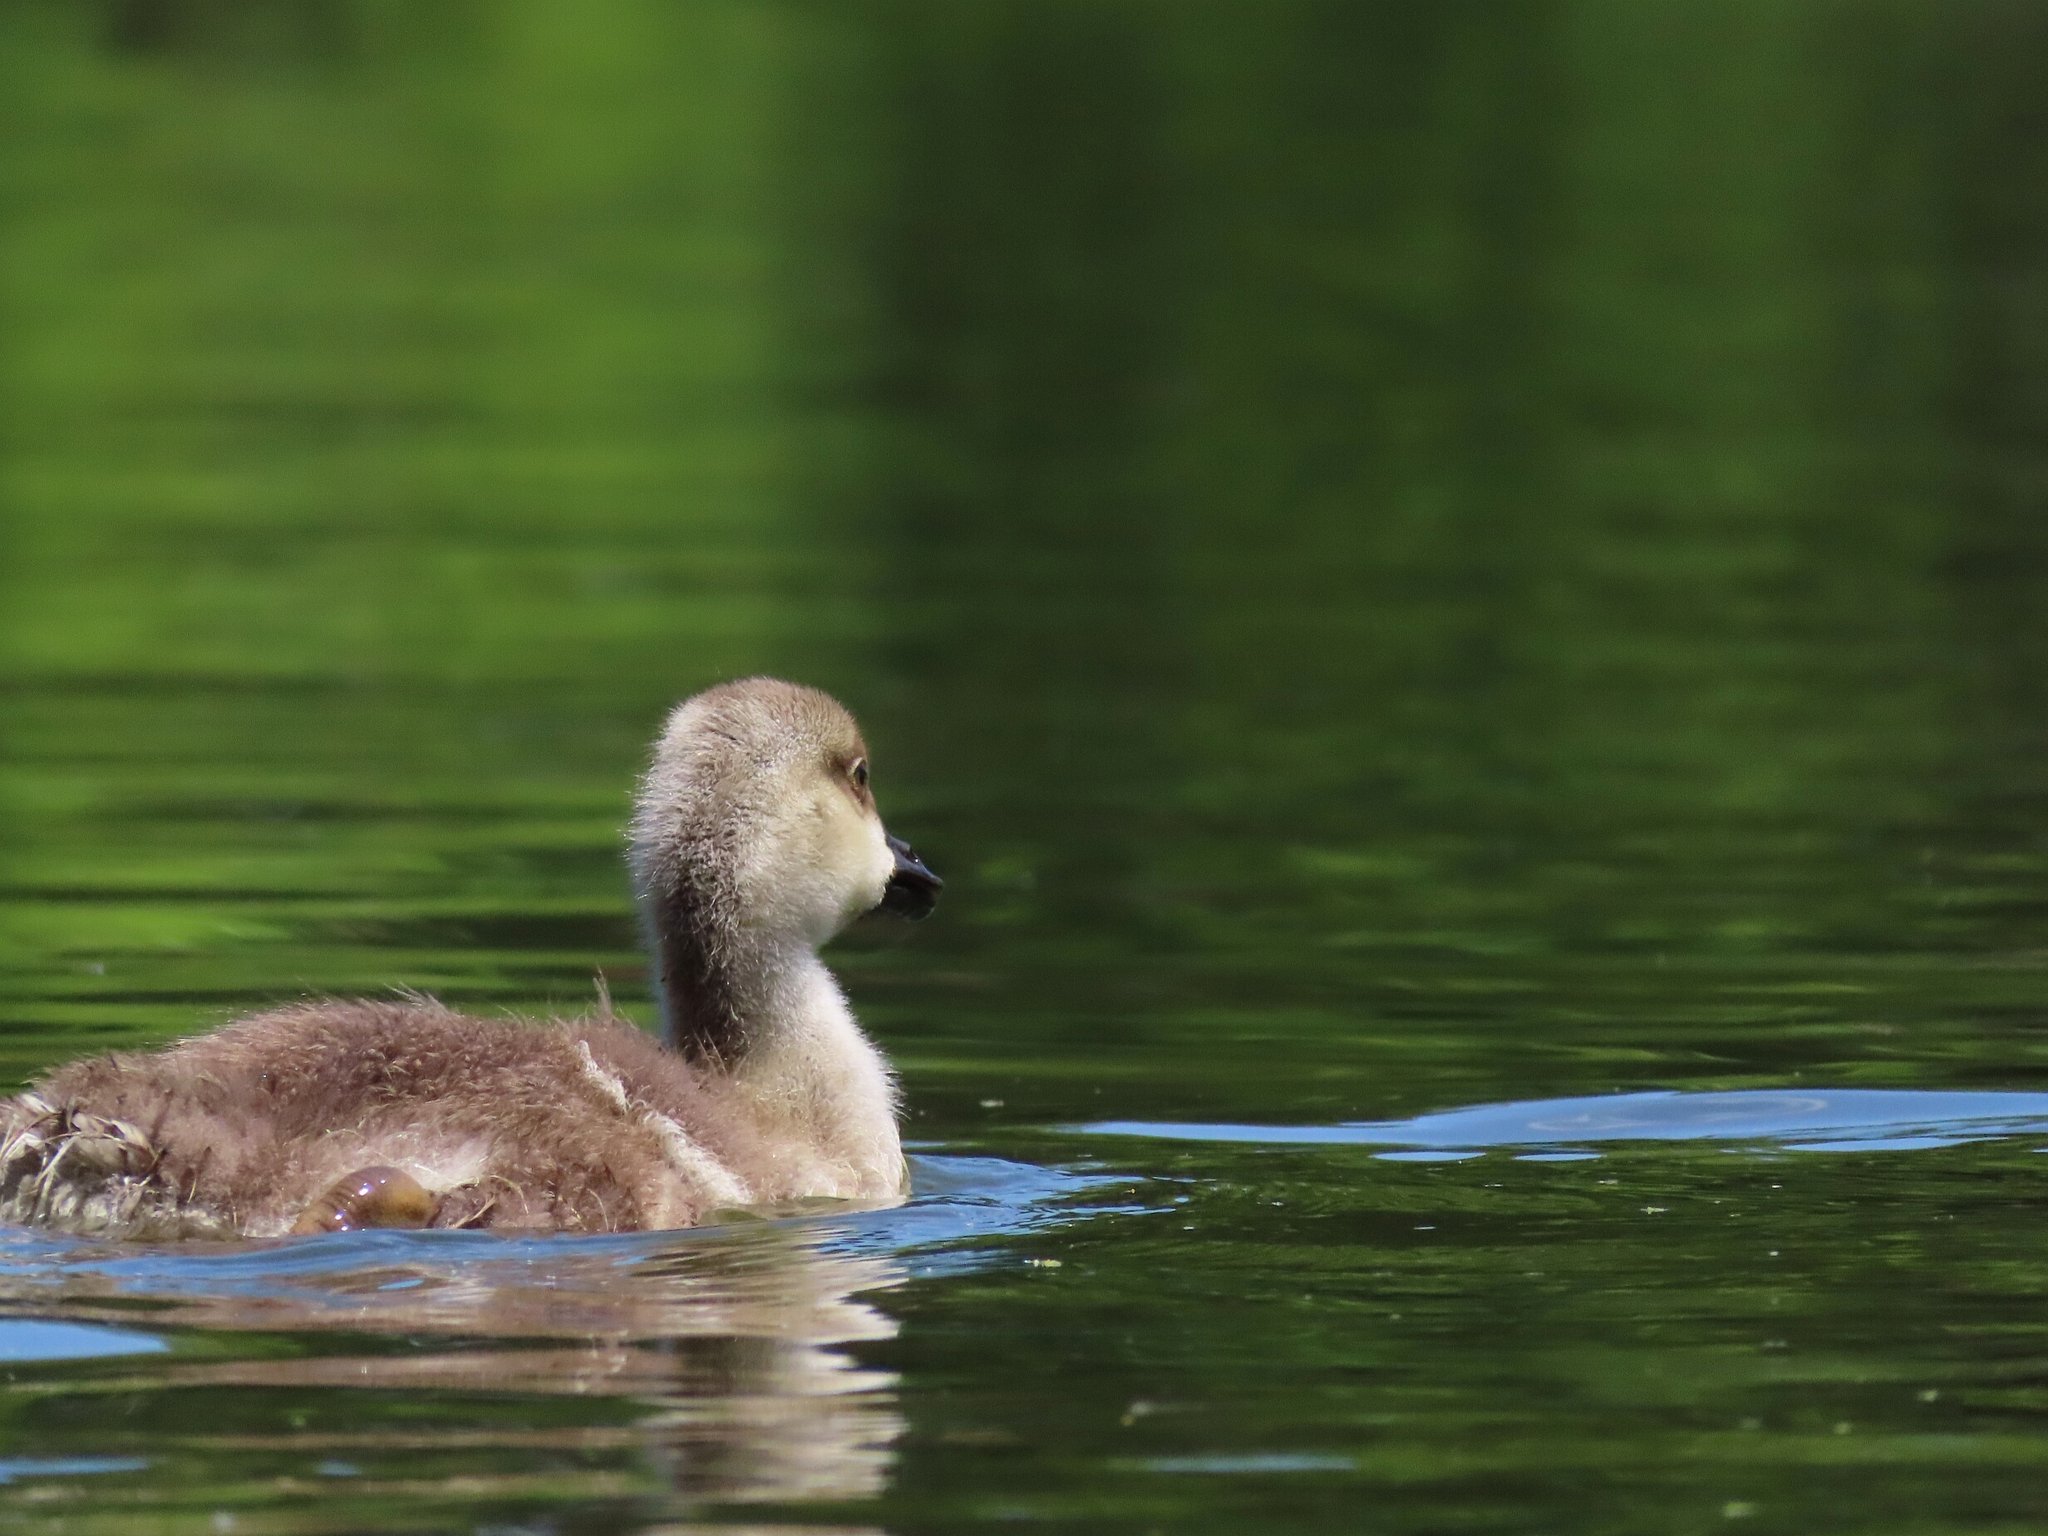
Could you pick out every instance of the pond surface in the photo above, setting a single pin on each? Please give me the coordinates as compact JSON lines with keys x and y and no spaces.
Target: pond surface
{"x":1460,"y":594}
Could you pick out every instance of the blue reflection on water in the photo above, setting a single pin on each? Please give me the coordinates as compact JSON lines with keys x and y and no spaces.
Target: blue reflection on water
{"x":1803,"y":1120}
{"x":67,"y":1466}
{"x":958,"y":1200}
{"x":25,"y":1339}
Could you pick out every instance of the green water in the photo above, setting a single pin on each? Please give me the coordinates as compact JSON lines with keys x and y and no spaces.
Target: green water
{"x":1398,"y":557}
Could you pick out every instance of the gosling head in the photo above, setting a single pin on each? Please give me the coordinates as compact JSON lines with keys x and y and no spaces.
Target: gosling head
{"x":756,"y":820}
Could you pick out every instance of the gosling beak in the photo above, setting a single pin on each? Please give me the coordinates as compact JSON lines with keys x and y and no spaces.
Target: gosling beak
{"x":913,"y":890}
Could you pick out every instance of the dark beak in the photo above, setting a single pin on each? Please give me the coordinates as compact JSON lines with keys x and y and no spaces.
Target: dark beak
{"x":913,"y":890}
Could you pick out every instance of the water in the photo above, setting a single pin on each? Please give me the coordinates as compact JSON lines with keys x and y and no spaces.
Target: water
{"x":1459,"y":593}
{"x":1830,"y":1120}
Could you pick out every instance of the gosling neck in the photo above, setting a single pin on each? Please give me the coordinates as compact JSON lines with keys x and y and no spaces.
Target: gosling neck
{"x":727,"y":991}
{"x":762,"y":1011}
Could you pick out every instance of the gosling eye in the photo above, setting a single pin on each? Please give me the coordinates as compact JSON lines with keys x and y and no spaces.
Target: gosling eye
{"x":859,"y":773}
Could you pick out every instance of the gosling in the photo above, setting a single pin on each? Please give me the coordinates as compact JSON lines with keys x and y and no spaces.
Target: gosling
{"x":754,"y":840}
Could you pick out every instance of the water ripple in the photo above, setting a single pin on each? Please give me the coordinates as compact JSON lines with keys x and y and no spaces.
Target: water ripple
{"x":1801,"y":1120}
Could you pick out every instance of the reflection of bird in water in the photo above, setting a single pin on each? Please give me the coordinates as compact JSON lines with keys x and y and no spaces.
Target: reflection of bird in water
{"x":754,"y":841}
{"x":710,"y":1365}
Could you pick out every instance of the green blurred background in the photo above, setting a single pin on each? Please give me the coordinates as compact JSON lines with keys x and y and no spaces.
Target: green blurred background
{"x":1396,"y":555}
{"x":1510,"y":486}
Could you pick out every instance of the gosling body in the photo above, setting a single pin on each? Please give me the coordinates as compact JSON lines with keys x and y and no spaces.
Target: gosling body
{"x":755,"y":839}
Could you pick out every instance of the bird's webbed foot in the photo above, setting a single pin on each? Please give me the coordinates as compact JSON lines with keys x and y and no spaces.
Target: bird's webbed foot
{"x":370,"y":1197}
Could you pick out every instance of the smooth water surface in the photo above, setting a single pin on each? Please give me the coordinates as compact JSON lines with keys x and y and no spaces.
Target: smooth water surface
{"x":1459,"y":592}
